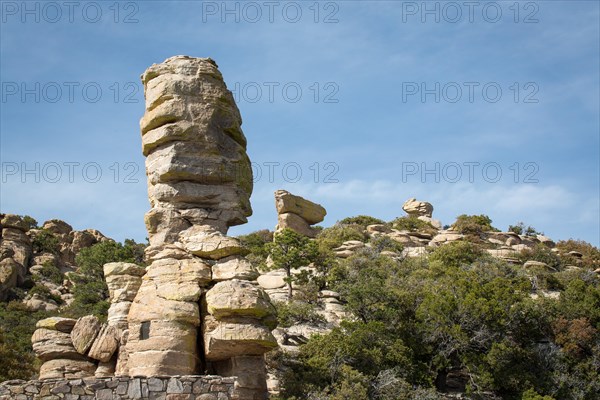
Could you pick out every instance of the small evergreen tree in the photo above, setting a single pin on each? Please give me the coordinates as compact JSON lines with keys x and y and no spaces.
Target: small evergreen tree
{"x":290,"y":250}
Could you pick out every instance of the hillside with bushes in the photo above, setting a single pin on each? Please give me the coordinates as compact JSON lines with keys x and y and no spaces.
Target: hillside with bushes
{"x":368,"y":309}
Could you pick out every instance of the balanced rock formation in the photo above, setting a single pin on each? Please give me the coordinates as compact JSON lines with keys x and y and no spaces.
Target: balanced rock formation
{"x":422,"y":210}
{"x":196,"y":308}
{"x":297,"y":213}
{"x":417,"y":208}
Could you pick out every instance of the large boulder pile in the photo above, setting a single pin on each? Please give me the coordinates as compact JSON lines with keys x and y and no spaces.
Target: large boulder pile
{"x":26,"y":250}
{"x":199,"y":184}
{"x":297,"y":213}
{"x":53,"y":345}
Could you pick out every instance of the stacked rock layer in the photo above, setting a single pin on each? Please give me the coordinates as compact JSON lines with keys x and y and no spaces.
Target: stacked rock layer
{"x":197,"y":309}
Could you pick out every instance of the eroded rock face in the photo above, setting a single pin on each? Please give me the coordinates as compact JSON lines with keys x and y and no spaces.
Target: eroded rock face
{"x":297,"y":213}
{"x":15,"y":252}
{"x":199,"y":184}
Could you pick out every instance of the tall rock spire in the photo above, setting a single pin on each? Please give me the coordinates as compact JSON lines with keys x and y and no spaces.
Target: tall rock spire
{"x":197,"y":309}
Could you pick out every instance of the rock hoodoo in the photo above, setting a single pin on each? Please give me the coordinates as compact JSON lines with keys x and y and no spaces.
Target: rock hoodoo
{"x":199,"y":184}
{"x":297,"y":213}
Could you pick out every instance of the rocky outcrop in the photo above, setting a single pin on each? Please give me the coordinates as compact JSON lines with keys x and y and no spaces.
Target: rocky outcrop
{"x":25,"y":251}
{"x":53,"y":345}
{"x":297,"y":213}
{"x":15,"y":252}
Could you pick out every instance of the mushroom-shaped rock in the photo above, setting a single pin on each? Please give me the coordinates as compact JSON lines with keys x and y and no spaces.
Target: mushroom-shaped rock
{"x":417,"y":208}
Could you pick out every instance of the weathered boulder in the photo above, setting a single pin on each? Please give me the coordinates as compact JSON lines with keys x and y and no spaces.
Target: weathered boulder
{"x":238,"y":298}
{"x":417,"y":208}
{"x":192,"y":137}
{"x":57,"y":323}
{"x":84,"y":332}
{"x":295,"y":223}
{"x":13,"y":221}
{"x":272,"y":279}
{"x":57,"y":227}
{"x":229,"y":338}
{"x":118,"y":313}
{"x":205,"y":242}
{"x":180,"y":280}
{"x":233,"y":267}
{"x":67,"y":369}
{"x":105,"y":344}
{"x":9,"y":272}
{"x":297,"y":213}
{"x":50,"y":344}
{"x":123,"y":280}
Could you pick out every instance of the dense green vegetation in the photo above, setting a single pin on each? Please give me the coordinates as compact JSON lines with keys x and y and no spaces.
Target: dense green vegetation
{"x":473,"y":225}
{"x":412,"y":224}
{"x":421,"y":323}
{"x":522,"y":229}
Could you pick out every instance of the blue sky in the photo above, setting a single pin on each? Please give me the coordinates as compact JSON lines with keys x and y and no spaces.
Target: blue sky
{"x":432,"y":100}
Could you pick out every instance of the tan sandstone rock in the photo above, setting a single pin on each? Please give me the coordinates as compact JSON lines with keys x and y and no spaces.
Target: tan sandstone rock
{"x":238,"y":298}
{"x":285,"y":202}
{"x":84,"y":332}
{"x":105,"y":344}
{"x":417,"y":208}
{"x":226,"y":339}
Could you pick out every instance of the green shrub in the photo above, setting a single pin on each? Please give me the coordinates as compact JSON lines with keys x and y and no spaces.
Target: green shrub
{"x":382,"y":242}
{"x":291,"y":251}
{"x":17,"y":324}
{"x":362,"y":220}
{"x":522,"y":229}
{"x":256,"y":243}
{"x":44,"y":241}
{"x":292,"y":313}
{"x":456,"y":254}
{"x":591,"y":254}
{"x":30,"y":222}
{"x":45,"y":293}
{"x":330,"y":238}
{"x":473,"y":224}
{"x":412,"y":223}
{"x":543,"y":254}
{"x":52,"y":273}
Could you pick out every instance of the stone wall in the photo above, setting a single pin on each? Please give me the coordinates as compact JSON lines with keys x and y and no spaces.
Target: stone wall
{"x":190,"y":387}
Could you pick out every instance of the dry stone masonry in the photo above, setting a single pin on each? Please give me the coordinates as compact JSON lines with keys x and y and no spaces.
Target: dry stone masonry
{"x":156,"y":388}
